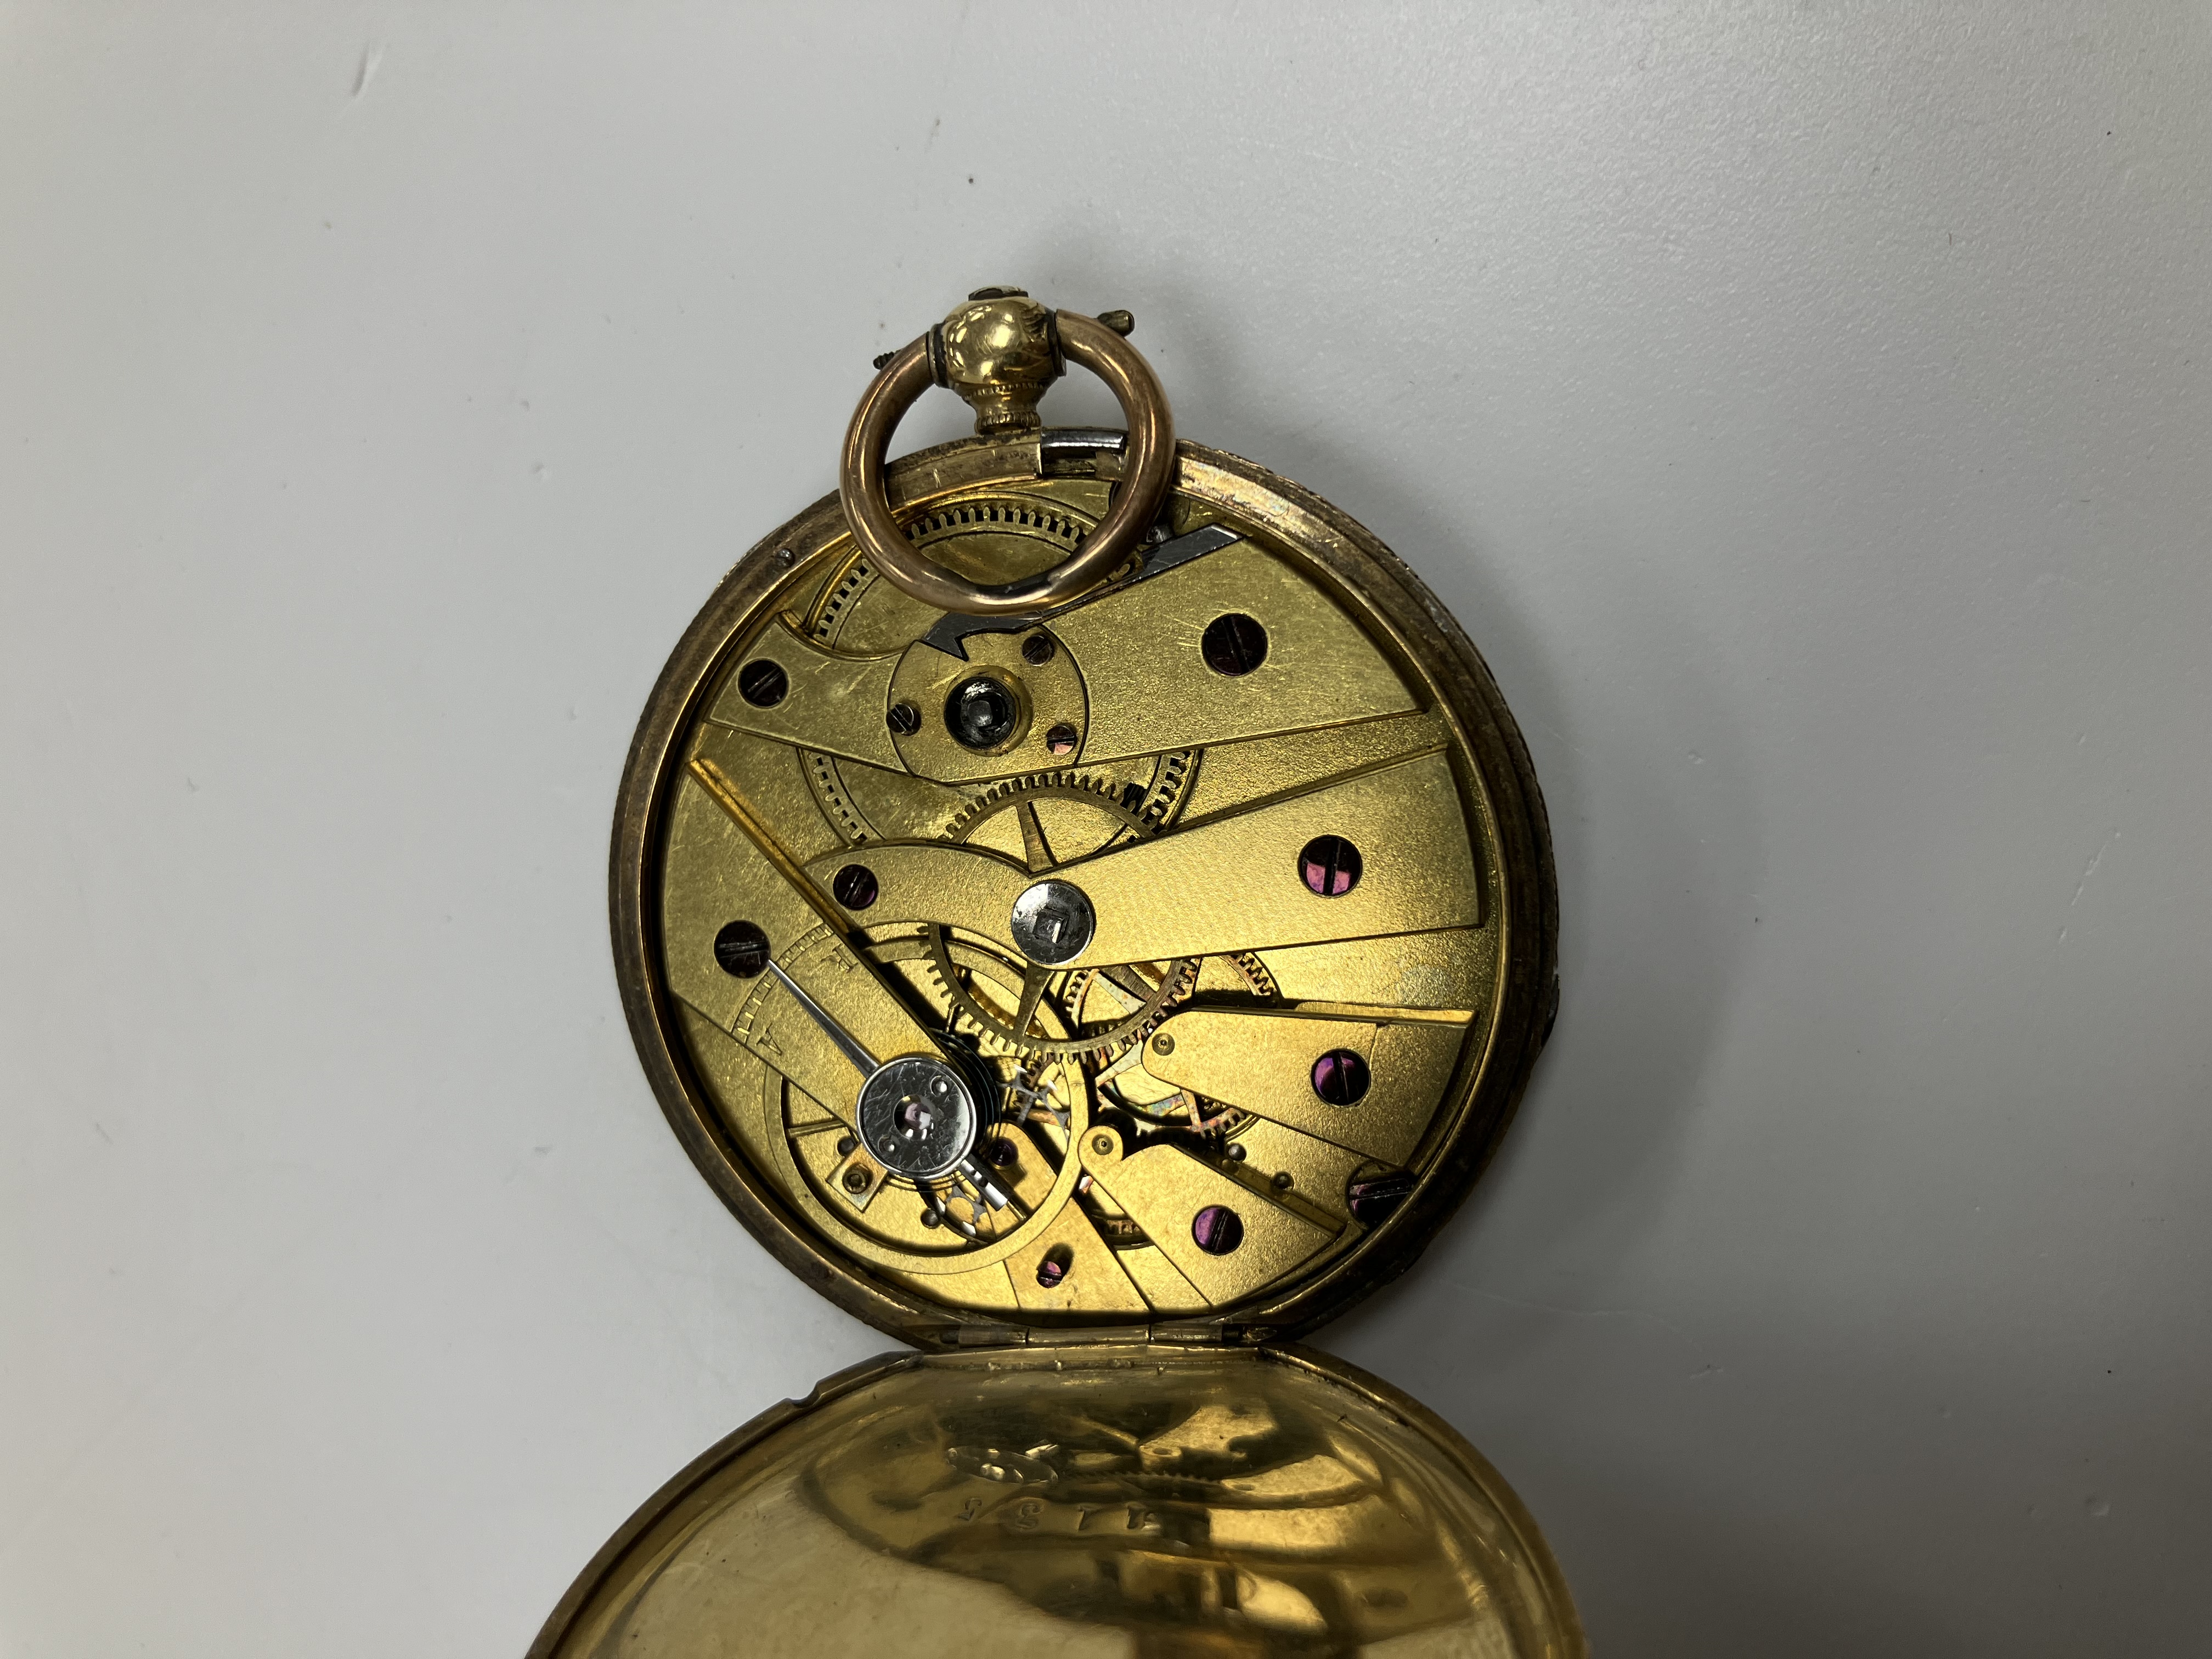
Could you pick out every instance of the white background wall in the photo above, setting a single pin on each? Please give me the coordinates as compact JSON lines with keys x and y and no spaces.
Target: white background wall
{"x":1804,"y":407}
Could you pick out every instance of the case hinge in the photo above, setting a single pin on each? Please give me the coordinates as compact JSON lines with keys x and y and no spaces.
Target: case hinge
{"x":1090,"y":1336}
{"x":1189,"y":1333}
{"x":984,"y":1336}
{"x":1192,"y":1331}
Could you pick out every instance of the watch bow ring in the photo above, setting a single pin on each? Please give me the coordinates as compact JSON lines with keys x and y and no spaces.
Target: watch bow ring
{"x":1000,"y":351}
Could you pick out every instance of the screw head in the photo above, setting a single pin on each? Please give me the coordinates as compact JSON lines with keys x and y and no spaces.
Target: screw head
{"x":1062,"y":739}
{"x":856,"y":1180}
{"x":1340,"y":1076}
{"x":1376,"y":1198}
{"x":855,"y":886}
{"x":914,"y":1130}
{"x":1037,"y":650}
{"x":905,"y":719}
{"x":1051,"y":923}
{"x":1329,"y":866}
{"x":1234,"y":645}
{"x":1217,"y":1229}
{"x":762,"y":683}
{"x":983,"y":712}
{"x":741,"y":950}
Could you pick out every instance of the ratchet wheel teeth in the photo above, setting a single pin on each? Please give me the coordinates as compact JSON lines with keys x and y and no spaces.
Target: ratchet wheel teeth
{"x":1097,"y":793}
{"x":972,"y":1015}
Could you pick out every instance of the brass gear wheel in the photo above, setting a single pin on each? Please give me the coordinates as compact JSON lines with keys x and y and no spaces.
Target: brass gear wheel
{"x":1093,"y":793}
{"x":1240,"y":971}
{"x":858,"y":611}
{"x":1153,"y":999}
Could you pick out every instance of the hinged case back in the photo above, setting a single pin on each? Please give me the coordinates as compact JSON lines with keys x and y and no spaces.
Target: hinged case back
{"x":1161,"y":1501}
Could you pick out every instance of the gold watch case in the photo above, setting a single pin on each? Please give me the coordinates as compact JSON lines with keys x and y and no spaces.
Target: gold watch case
{"x":1097,"y":984}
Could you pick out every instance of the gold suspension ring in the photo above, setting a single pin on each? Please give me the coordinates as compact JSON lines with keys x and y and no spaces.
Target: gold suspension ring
{"x":999,"y":352}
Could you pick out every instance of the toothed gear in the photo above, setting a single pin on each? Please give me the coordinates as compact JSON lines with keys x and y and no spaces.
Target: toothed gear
{"x":1178,"y":1106}
{"x":1100,"y":794}
{"x":856,"y":608}
{"x":1176,"y":978}
{"x":1257,"y":979}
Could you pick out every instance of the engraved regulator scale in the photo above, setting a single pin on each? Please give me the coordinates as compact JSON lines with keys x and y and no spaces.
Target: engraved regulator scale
{"x":1084,"y":906}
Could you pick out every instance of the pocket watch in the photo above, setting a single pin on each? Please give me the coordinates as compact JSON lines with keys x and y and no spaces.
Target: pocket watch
{"x":1084,"y":906}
